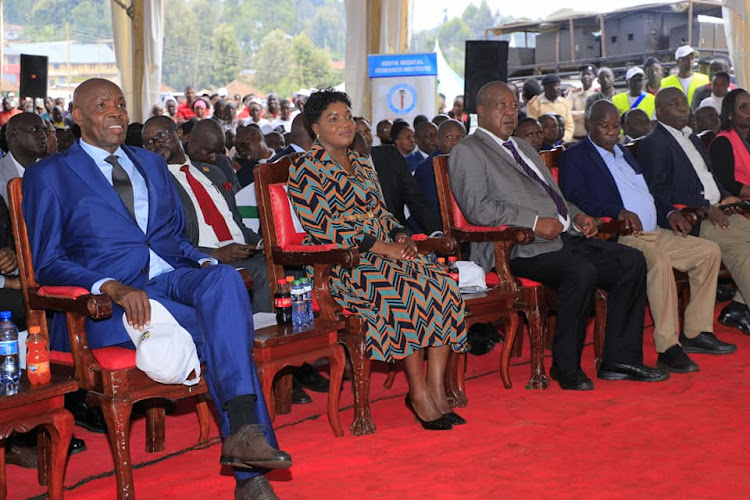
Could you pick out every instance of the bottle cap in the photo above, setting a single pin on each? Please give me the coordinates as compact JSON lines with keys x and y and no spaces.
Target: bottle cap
{"x":296,"y":282}
{"x":282,"y":281}
{"x":34,"y":329}
{"x":441,"y":259}
{"x":452,"y":258}
{"x":5,"y":315}
{"x":290,"y":279}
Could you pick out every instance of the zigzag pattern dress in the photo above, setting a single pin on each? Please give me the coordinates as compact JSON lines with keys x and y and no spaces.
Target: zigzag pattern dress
{"x":407,"y":305}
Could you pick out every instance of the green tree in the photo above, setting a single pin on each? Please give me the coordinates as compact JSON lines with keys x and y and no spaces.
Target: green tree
{"x":327,"y":29}
{"x":312,"y":65}
{"x":226,"y":57}
{"x":453,"y":36}
{"x":90,"y":20}
{"x":274,"y":64}
{"x":478,"y":19}
{"x":180,"y":62}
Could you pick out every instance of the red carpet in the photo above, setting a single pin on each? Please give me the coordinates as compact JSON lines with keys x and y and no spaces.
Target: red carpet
{"x":683,"y":438}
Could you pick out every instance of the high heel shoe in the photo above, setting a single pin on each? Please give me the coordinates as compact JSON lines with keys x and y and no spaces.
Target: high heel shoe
{"x":439,"y":424}
{"x":454,"y":418}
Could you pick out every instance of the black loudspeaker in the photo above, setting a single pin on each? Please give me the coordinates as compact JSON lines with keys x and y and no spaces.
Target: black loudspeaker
{"x":33,"y":76}
{"x":486,"y":61}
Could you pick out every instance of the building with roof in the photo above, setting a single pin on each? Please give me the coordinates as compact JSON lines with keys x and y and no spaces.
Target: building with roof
{"x":69,"y":62}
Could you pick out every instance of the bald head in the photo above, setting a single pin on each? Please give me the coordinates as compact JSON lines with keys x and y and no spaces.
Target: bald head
{"x":26,"y":136}
{"x":497,"y":109}
{"x":602,"y":108}
{"x":99,"y":109}
{"x":450,"y":133}
{"x":426,"y":137}
{"x":206,"y":142}
{"x":603,"y":124}
{"x":300,"y":132}
{"x":672,"y":107}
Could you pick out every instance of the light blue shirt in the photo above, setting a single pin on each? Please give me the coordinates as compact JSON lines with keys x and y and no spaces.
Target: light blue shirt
{"x":632,"y":186}
{"x":156,"y":265}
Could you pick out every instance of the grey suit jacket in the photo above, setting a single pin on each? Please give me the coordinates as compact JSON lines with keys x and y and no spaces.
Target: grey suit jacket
{"x":8,"y":171}
{"x":493,"y":190}
{"x":191,"y":217}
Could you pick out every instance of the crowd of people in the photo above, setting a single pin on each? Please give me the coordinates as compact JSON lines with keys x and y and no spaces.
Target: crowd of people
{"x":150,"y":211}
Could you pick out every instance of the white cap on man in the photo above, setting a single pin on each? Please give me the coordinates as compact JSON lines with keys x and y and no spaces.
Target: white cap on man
{"x":684,"y":51}
{"x":635,"y":70}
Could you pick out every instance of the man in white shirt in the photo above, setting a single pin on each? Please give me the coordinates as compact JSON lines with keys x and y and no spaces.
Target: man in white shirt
{"x":677,"y":167}
{"x":212,"y":221}
{"x":26,"y":137}
{"x":719,"y":89}
{"x":284,"y":120}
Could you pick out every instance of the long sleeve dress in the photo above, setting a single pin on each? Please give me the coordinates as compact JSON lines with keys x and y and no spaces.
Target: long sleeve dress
{"x":407,"y":304}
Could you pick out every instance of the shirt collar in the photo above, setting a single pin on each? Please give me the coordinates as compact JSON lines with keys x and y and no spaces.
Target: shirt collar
{"x":497,"y":139}
{"x":685,"y":132}
{"x":98,"y":154}
{"x":604,"y":153}
{"x":19,"y":167}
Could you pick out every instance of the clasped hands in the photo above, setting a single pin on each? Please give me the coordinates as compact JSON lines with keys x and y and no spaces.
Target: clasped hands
{"x":550,"y":228}
{"x":403,"y":247}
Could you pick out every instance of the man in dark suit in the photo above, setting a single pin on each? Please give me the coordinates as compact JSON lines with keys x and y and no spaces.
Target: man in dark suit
{"x":677,"y":167}
{"x":238,"y":245}
{"x":604,"y":179}
{"x":300,"y":139}
{"x":106,"y":217}
{"x":399,"y":187}
{"x":498,"y":180}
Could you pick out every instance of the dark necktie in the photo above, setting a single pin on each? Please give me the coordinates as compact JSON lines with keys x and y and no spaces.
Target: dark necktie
{"x":121,"y":183}
{"x":562,"y":208}
{"x":211,"y":213}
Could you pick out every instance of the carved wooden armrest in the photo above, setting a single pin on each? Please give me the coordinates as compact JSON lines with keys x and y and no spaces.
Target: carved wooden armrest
{"x":609,"y":228}
{"x":693,"y":214}
{"x":444,"y":245}
{"x":480,"y":234}
{"x":247,"y":278}
{"x":303,"y":255}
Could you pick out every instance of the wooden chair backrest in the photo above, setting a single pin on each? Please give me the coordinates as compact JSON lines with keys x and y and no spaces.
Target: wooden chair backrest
{"x":449,"y":210}
{"x":23,"y":254}
{"x":707,"y":137}
{"x":551,"y":159}
{"x":632,"y":146}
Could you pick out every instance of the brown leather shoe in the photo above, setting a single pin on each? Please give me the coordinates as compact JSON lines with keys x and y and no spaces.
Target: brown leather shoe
{"x":248,"y":449}
{"x":257,"y":488}
{"x":24,"y":456}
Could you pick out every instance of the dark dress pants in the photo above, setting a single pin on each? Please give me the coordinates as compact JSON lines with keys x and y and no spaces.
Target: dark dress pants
{"x":575,"y":271}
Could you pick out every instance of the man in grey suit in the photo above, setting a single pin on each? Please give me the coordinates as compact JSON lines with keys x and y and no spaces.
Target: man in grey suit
{"x":212,"y":221}
{"x":500,"y":180}
{"x":26,"y":137}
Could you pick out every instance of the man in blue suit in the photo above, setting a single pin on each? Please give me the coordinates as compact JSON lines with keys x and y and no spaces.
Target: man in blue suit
{"x":107,"y":217}
{"x":602,"y":178}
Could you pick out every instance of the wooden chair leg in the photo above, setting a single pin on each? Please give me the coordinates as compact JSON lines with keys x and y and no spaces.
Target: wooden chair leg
{"x":156,"y":427}
{"x":511,"y":335}
{"x":59,"y":433}
{"x":117,"y":416}
{"x":266,"y":376}
{"x":535,"y":309}
{"x":600,"y":326}
{"x":393,"y":369}
{"x":283,"y":394}
{"x":204,"y":419}
{"x":362,"y":424}
{"x":454,"y":380}
{"x":3,"y":487}
{"x":337,"y":362}
{"x":44,"y":456}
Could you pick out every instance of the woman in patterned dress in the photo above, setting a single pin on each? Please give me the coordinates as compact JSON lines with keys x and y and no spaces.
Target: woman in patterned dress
{"x":408,"y":304}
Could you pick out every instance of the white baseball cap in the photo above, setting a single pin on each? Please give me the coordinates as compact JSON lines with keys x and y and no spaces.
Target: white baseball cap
{"x":165,"y":351}
{"x":683,"y":51}
{"x":635,"y":70}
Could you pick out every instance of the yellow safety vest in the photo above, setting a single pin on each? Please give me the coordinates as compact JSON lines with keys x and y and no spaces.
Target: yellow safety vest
{"x":698,"y":80}
{"x":623,"y":105}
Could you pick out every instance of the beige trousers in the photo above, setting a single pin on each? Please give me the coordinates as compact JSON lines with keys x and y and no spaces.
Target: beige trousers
{"x":735,"y":251}
{"x":700,"y":259}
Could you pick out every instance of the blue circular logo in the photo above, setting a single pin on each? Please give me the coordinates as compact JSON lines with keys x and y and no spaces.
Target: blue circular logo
{"x":402,"y":98}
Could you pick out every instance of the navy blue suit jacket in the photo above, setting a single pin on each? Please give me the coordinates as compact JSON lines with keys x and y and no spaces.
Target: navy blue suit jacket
{"x":425,"y":177}
{"x":668,"y":170}
{"x":586,"y":181}
{"x":81,"y":232}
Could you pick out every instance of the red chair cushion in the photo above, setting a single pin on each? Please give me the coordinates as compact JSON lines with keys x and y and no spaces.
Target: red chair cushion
{"x":460,"y":222}
{"x":286,"y":234}
{"x":62,"y":292}
{"x":605,"y":219}
{"x":493,"y":279}
{"x":555,"y":173}
{"x":111,"y":358}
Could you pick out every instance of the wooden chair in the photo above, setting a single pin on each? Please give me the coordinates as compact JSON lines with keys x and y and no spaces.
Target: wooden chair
{"x":108,"y":374}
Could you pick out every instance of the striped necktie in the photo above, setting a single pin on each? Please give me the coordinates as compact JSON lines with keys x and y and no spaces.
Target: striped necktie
{"x":562,"y":208}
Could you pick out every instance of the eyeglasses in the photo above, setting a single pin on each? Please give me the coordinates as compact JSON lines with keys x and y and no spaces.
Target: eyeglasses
{"x":160,"y":137}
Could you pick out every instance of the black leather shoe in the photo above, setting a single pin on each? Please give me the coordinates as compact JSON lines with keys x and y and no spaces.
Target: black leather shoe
{"x":675,"y":360}
{"x":248,"y":448}
{"x":724,"y":292}
{"x":299,"y":396}
{"x":76,"y":446}
{"x":478,"y":344}
{"x":310,"y":378}
{"x":256,"y":488}
{"x":706,"y":343}
{"x":639,"y":373}
{"x":737,"y":316}
{"x":488,"y":331}
{"x":578,"y":381}
{"x":89,"y":417}
{"x":454,"y":418}
{"x":439,"y":424}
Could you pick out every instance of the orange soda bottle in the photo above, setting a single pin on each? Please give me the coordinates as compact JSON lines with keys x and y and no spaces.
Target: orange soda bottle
{"x":37,"y":357}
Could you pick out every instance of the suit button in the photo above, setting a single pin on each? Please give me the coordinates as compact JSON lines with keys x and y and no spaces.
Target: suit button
{"x":148,"y":243}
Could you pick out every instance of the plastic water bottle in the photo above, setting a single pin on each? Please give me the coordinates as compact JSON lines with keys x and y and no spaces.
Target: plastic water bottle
{"x":10,"y":370}
{"x":310,"y":316}
{"x":299,"y":307}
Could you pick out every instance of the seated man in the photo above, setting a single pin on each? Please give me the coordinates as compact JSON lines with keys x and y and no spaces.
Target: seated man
{"x":603,"y":178}
{"x":706,"y":118}
{"x":677,"y":167}
{"x":635,"y":124}
{"x":550,"y":132}
{"x":450,"y":133}
{"x":530,"y":131}
{"x":299,"y":139}
{"x":212,"y":221}
{"x":107,"y":218}
{"x":496,"y":181}
{"x":251,"y":150}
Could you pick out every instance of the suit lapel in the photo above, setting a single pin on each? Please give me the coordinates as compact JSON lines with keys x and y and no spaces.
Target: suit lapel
{"x":86,"y":169}
{"x":498,"y":150}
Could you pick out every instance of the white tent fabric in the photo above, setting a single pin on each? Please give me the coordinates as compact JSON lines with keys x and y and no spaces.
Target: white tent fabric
{"x":737,"y":30}
{"x":450,"y":84}
{"x":373,"y":27}
{"x":138,"y":47}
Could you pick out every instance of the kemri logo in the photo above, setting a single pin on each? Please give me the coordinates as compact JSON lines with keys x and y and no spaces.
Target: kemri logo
{"x":402,"y":98}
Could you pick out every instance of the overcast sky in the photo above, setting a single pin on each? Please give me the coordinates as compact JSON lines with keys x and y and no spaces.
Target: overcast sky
{"x":429,"y":13}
